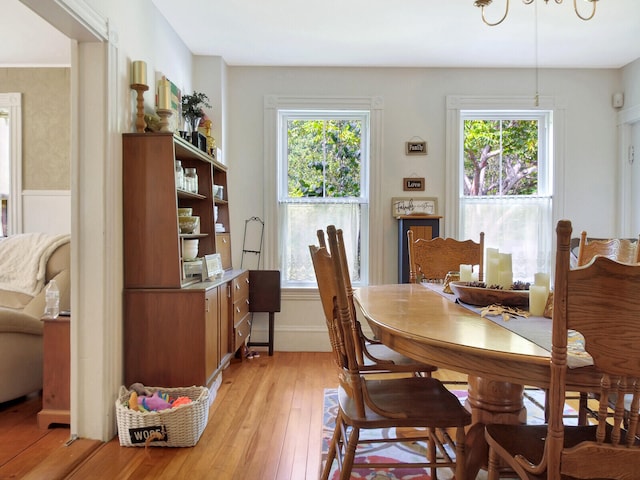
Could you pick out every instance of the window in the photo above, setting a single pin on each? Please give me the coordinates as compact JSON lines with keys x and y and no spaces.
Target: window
{"x":505,"y":185}
{"x":323,"y":172}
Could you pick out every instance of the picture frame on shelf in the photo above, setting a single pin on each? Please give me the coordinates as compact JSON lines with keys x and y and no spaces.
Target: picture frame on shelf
{"x":212,"y":266}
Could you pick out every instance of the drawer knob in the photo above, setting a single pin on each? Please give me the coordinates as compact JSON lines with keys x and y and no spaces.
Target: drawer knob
{"x":238,"y":309}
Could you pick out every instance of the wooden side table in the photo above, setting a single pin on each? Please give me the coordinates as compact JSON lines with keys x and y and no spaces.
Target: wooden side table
{"x":264,"y":296}
{"x":56,"y":389}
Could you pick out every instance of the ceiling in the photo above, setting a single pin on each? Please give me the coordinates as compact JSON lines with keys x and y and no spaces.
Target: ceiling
{"x":406,"y":33}
{"x":367,"y":33}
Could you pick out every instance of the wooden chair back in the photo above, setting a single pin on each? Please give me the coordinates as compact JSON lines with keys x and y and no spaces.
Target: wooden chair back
{"x":434,"y":258}
{"x":620,"y":249}
{"x":339,"y":315}
{"x":600,"y":301}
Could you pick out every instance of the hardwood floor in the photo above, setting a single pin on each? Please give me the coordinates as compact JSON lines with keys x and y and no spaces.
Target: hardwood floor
{"x":265,"y":423}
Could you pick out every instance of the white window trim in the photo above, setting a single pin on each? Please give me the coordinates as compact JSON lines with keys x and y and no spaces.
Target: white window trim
{"x":458,"y":103}
{"x":13,"y":103}
{"x":273,"y":103}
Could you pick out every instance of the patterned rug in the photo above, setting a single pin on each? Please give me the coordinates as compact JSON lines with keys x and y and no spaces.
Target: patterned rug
{"x":409,"y":451}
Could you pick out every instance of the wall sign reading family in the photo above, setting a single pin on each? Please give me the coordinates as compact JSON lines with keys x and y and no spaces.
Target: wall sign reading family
{"x":414,"y":206}
{"x":415,"y":148}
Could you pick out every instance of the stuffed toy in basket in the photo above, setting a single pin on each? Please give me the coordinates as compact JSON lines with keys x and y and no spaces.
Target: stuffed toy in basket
{"x":170,"y":426}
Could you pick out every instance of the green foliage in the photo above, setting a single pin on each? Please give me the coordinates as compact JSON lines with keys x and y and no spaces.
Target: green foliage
{"x":500,"y":157}
{"x":192,"y":104}
{"x":324,"y":158}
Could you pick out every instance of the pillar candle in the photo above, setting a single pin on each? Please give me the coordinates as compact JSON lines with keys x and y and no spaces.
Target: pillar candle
{"x":505,"y":279}
{"x":537,"y":300}
{"x":465,"y":273}
{"x":489,"y":275}
{"x":139,"y":73}
{"x":541,"y":279}
{"x":164,"y":94}
{"x":493,"y":272}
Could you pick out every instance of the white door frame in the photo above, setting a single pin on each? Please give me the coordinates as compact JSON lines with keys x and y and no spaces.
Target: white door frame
{"x":626,"y":119}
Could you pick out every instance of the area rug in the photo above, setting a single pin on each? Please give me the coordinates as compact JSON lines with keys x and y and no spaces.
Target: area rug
{"x":409,"y":451}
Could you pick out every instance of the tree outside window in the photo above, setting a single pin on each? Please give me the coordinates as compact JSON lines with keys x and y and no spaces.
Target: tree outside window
{"x":325,"y":163}
{"x":504,"y":186}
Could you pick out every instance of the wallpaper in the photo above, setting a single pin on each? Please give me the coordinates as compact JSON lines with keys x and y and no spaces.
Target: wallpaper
{"x":46,"y":120}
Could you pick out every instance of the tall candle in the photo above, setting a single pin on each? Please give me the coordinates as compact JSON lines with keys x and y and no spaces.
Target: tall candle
{"x":164,"y":94}
{"x":491,"y":267}
{"x":139,"y":73}
{"x":541,"y":279}
{"x":465,"y":273}
{"x":493,"y":272}
{"x":537,"y":300}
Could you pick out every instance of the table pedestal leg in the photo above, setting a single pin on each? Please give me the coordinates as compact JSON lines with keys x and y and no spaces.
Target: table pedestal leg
{"x":490,"y":401}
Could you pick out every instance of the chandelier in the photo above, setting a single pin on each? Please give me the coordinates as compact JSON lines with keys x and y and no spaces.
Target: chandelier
{"x":485,"y":3}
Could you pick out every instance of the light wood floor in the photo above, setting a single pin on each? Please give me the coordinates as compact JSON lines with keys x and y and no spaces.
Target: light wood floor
{"x":265,"y":423}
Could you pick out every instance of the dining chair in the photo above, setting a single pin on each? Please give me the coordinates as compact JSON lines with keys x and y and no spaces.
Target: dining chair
{"x":373,"y":356}
{"x":599,"y":301}
{"x":622,"y":250}
{"x":368,"y":402}
{"x":433,"y":259}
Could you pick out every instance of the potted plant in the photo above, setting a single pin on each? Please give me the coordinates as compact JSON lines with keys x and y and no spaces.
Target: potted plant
{"x":192,"y":108}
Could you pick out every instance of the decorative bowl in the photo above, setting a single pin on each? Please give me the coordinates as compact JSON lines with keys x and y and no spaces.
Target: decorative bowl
{"x":185,"y":212}
{"x":188,"y":224}
{"x":190,"y":249}
{"x":487,"y":296}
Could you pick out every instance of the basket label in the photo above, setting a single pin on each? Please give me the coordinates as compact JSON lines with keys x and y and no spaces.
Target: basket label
{"x":140,"y":435}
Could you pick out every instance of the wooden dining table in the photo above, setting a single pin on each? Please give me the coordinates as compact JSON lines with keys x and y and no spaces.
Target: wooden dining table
{"x":426,"y":326}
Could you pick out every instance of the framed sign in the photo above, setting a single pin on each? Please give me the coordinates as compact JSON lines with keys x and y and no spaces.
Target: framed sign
{"x":212,"y":266}
{"x":414,"y":206}
{"x":413,"y":184}
{"x":415,"y":148}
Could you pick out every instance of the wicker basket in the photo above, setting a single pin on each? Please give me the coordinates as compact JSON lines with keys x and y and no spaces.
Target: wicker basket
{"x":178,"y":427}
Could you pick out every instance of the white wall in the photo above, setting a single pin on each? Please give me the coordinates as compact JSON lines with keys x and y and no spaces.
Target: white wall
{"x":414,"y":105}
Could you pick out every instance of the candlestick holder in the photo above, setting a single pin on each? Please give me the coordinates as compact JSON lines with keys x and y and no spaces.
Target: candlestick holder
{"x":140,"y":89}
{"x":164,"y":115}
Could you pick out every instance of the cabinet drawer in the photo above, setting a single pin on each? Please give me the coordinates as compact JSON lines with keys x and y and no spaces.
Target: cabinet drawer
{"x":240,"y":309}
{"x":242,"y":332}
{"x":223,"y":247}
{"x":241,"y":287}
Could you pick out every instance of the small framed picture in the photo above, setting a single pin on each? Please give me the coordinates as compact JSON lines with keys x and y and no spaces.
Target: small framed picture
{"x":212,"y":266}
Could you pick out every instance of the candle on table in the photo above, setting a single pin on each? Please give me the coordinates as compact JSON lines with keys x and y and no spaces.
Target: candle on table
{"x":506,"y":273}
{"x":492,"y":266}
{"x":493,"y":272}
{"x":541,"y":279}
{"x":164,"y":94}
{"x":537,"y":300}
{"x":139,"y":73}
{"x":465,"y":273}
{"x":505,"y":279}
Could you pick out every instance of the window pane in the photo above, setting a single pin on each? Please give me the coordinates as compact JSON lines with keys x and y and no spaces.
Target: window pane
{"x":324,"y":158}
{"x":500,"y":157}
{"x":302,"y":223}
{"x":515,"y":225}
{"x":504,"y":186}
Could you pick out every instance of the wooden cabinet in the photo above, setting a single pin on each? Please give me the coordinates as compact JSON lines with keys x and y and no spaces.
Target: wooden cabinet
{"x":178,"y":330}
{"x":241,"y":315}
{"x":426,"y":227}
{"x":56,"y":390}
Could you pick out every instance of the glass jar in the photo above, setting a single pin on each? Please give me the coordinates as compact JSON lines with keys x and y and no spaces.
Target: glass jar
{"x":179,"y":175}
{"x":191,"y":180}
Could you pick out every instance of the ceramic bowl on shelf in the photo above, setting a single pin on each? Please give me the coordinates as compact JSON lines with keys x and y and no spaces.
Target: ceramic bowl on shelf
{"x":185,"y":212}
{"x":188,"y":224}
{"x":190,"y":249}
